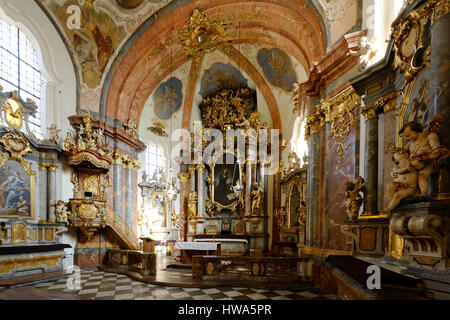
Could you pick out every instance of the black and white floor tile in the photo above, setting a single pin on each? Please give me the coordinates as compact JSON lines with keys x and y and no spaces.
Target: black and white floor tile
{"x":110,"y":286}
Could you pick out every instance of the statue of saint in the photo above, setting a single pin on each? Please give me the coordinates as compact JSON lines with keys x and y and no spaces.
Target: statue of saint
{"x":192,"y":203}
{"x":257,"y":198}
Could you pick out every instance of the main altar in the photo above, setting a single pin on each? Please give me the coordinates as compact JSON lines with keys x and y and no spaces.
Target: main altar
{"x":223,"y":193}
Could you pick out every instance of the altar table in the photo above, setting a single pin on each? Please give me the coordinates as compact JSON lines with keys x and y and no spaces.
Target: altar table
{"x":189,"y":249}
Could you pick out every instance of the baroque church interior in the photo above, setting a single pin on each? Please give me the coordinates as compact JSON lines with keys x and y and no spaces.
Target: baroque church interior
{"x":224,"y":150}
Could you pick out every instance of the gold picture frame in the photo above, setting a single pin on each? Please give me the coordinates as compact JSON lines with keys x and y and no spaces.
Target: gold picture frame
{"x":234,"y":204}
{"x":31,"y":192}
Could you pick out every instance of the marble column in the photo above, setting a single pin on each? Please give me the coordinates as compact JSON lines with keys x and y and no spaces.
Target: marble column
{"x":323,"y":237}
{"x":371,"y":161}
{"x":51,"y":192}
{"x":439,"y":92}
{"x":200,"y":190}
{"x":313,"y":125}
{"x":184,"y":196}
{"x":248,"y":186}
{"x":117,"y":189}
{"x":129,"y":201}
{"x":43,"y":199}
{"x":192,"y":172}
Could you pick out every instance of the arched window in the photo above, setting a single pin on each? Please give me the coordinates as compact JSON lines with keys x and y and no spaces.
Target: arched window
{"x":154,"y":158}
{"x":19,"y":69}
{"x":298,"y":142}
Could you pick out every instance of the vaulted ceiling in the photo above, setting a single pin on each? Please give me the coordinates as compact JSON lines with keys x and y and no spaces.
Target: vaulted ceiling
{"x":135,"y":42}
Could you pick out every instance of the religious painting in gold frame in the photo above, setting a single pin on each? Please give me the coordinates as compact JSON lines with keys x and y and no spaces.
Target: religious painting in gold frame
{"x":16,"y":191}
{"x":224,"y":175}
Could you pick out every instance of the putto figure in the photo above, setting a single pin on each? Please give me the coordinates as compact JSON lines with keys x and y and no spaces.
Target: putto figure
{"x":354,"y":200}
{"x":404,"y":182}
{"x":425,"y":151}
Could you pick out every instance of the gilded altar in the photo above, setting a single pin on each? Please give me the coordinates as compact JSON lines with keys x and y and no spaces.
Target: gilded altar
{"x":28,"y":168}
{"x":225,"y":190}
{"x":291,"y":217}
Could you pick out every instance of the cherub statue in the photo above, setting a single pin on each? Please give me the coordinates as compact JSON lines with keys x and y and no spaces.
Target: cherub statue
{"x":366,"y":52}
{"x":404,"y":182}
{"x":209,"y":206}
{"x":192,"y":203}
{"x":425,"y":151}
{"x":354,"y":198}
{"x":61,"y":212}
{"x":53,"y":133}
{"x":69,"y":144}
{"x":237,"y":188}
{"x":257,"y":198}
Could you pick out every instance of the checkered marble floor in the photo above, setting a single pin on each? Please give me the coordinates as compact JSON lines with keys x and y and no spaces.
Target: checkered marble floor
{"x":110,"y":286}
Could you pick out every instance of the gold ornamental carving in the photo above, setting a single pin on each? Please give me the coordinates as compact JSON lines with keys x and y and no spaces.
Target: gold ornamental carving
{"x":313,"y":123}
{"x":209,"y":268}
{"x":204,"y":35}
{"x":184,"y":177}
{"x":87,"y":211}
{"x":412,"y":37}
{"x":19,"y":233}
{"x":17,"y":148}
{"x":43,"y":166}
{"x":158,"y":129}
{"x":231,"y":109}
{"x":339,"y":111}
{"x":369,"y":111}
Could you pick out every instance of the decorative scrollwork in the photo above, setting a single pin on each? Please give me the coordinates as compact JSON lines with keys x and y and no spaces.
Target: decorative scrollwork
{"x":158,"y":129}
{"x":16,"y":148}
{"x":340,"y":112}
{"x":203,"y":35}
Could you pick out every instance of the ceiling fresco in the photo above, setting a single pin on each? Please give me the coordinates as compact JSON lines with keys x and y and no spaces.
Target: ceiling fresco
{"x":168,"y":98}
{"x":121,"y":50}
{"x":277,"y":68}
{"x":221,"y":77}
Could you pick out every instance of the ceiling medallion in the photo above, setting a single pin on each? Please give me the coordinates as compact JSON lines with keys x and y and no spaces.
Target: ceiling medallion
{"x":204,"y":35}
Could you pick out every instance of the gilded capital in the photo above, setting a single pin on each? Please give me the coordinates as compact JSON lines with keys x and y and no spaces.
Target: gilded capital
{"x":370,"y":111}
{"x":184,"y":177}
{"x":201,"y":168}
{"x":47,"y":166}
{"x":313,"y":123}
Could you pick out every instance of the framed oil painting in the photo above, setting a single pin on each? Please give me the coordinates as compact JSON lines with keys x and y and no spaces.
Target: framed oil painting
{"x":16,"y":191}
{"x":225,"y":175}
